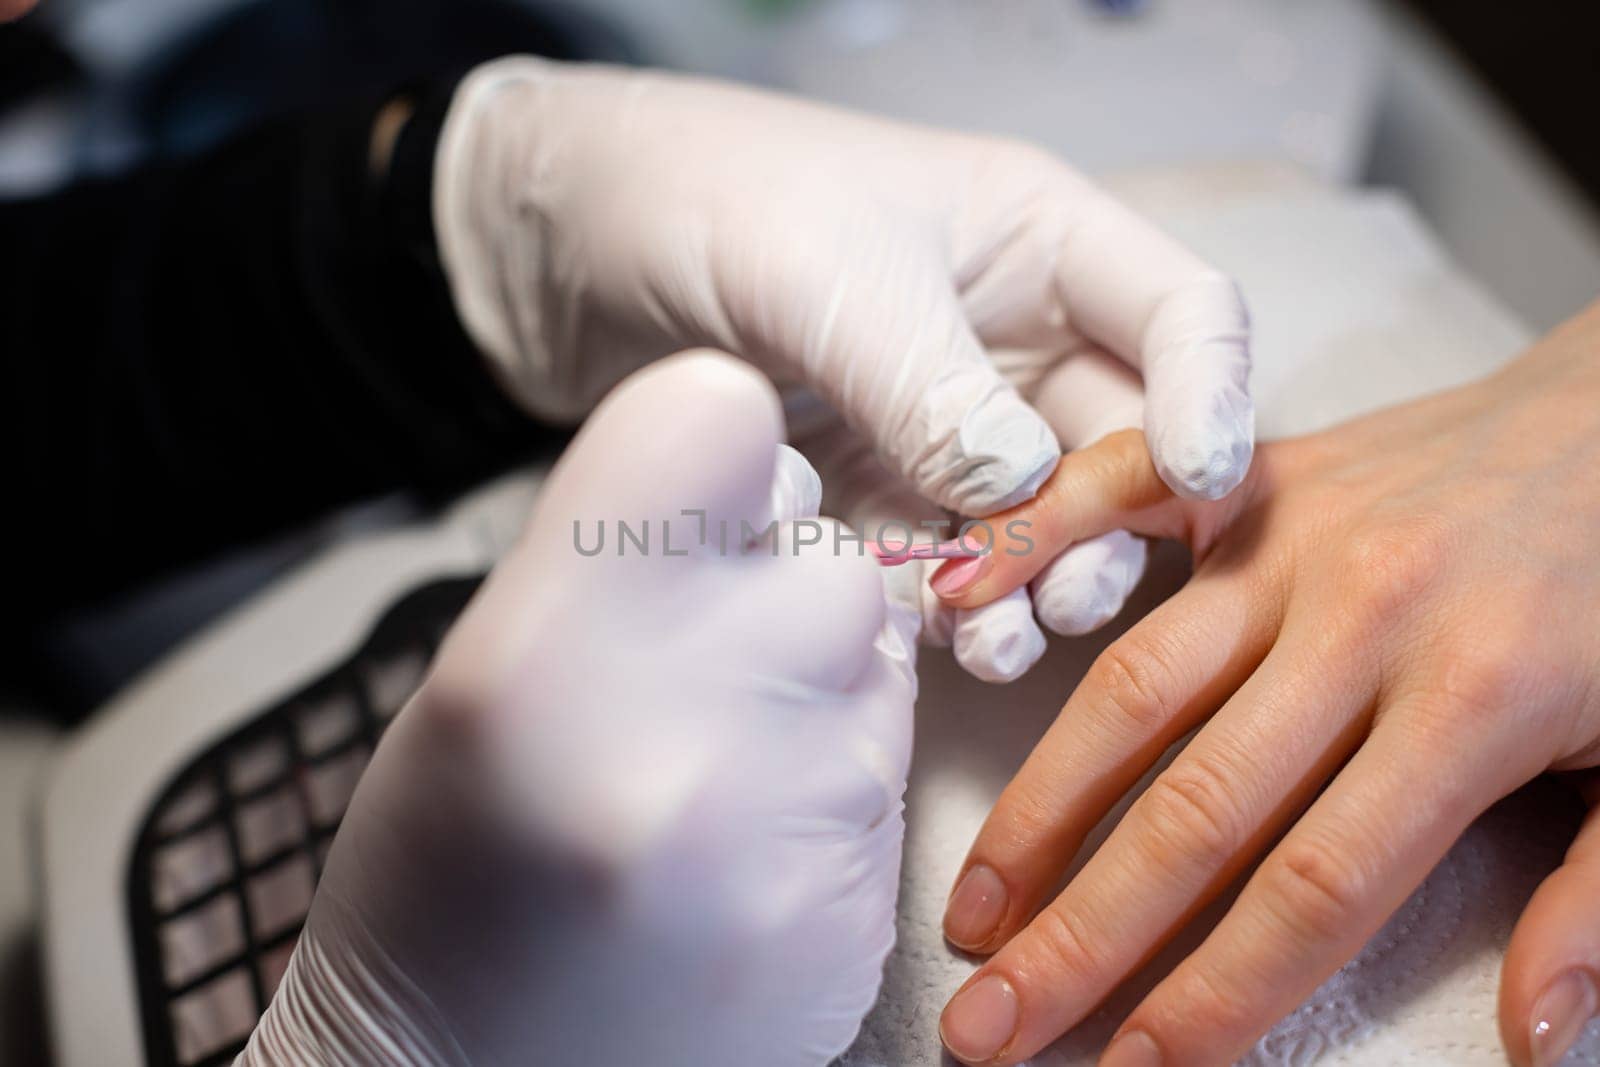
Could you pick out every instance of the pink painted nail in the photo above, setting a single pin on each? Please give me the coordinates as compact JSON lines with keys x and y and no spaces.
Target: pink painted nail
{"x":960,"y":574}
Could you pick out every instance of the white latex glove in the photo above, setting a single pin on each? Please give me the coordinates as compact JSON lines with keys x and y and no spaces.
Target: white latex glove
{"x":926,"y":284}
{"x":644,"y":809}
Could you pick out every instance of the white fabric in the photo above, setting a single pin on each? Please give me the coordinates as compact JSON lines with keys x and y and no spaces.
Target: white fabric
{"x":1354,"y":307}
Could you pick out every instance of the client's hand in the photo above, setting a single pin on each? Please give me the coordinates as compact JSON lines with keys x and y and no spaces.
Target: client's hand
{"x":647,"y":806}
{"x":1391,"y":626}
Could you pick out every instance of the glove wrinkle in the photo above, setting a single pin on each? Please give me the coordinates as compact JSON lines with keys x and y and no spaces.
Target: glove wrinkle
{"x":337,"y":1012}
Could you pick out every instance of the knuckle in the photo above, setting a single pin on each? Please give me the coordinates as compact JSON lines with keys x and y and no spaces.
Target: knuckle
{"x":1122,"y":459}
{"x":1031,"y":810}
{"x":1387,"y":568}
{"x":1069,"y":942}
{"x":1313,"y":891}
{"x":1191,"y":812}
{"x":1130,"y":683}
{"x":1209,"y":994}
{"x":1481,"y":680}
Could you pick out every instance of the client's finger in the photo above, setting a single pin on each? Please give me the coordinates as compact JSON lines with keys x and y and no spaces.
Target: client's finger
{"x":1087,"y":396}
{"x":1145,"y":691}
{"x":1360,"y":850}
{"x":1107,"y":486}
{"x":1550,"y":983}
{"x":1184,"y":839}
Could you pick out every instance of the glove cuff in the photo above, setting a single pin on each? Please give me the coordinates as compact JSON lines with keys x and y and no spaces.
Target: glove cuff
{"x":333,"y":1009}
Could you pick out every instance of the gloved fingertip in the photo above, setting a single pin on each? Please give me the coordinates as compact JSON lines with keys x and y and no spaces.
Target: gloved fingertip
{"x":994,"y":452}
{"x":796,"y":487}
{"x":1023,"y":476}
{"x":1204,"y":452}
{"x":999,"y":642}
{"x":1003,"y":660}
{"x":1089,"y":585}
{"x":1077,"y":616}
{"x":1199,"y":418}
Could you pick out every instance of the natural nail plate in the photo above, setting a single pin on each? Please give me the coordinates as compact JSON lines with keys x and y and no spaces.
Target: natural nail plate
{"x":976,"y":908}
{"x":982,"y":1019}
{"x":1133,"y":1049}
{"x":1559,"y":1016}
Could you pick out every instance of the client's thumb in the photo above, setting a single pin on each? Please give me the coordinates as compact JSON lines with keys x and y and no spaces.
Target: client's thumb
{"x":1550,"y":983}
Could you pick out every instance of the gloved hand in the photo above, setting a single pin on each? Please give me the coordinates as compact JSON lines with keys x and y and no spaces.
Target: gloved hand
{"x":934,"y":288}
{"x":644,"y":809}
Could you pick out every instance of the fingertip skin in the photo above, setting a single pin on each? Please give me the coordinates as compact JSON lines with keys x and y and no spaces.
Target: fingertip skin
{"x":1557,"y":936}
{"x":1556,"y":939}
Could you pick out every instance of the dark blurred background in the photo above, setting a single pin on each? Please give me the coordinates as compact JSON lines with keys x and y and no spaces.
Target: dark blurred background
{"x":1542,"y":59}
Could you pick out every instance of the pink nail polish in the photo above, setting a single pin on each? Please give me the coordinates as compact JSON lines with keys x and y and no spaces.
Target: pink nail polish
{"x":959,"y":574}
{"x":890,"y":555}
{"x":895,"y":555}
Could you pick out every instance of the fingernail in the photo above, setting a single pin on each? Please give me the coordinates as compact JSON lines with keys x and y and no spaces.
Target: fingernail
{"x":1559,"y":1016}
{"x":960,"y":574}
{"x":975,"y":908}
{"x":1133,"y":1049}
{"x":981,"y":1021}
